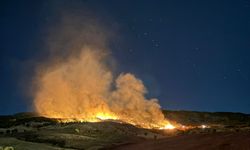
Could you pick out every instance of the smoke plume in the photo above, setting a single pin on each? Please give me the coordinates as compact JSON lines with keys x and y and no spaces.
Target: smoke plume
{"x":77,"y":79}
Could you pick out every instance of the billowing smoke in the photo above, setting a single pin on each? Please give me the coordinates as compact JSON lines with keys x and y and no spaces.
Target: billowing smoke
{"x":128,"y":101}
{"x":77,"y":81}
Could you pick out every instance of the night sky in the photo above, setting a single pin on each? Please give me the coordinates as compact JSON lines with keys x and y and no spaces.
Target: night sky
{"x":191,"y":54}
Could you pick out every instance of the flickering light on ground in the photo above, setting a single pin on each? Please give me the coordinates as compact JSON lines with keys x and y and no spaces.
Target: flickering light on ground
{"x":168,"y":126}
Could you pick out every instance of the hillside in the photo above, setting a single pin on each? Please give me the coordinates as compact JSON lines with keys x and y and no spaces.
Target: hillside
{"x":197,"y":118}
{"x":28,"y":131}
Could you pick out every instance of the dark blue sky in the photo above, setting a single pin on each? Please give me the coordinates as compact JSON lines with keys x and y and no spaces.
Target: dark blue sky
{"x":192,"y":55}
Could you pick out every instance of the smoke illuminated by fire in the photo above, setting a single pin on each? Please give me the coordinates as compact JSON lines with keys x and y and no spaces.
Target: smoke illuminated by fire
{"x":83,"y":87}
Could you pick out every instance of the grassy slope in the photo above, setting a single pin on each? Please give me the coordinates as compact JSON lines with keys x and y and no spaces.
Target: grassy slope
{"x":197,"y":118}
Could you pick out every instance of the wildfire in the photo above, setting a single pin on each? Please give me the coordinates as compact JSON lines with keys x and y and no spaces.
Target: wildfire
{"x":111,"y":117}
{"x":81,"y":87}
{"x":104,"y":117}
{"x":84,"y":94}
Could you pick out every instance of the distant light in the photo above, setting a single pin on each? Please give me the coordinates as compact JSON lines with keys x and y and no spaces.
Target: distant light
{"x":203,"y":126}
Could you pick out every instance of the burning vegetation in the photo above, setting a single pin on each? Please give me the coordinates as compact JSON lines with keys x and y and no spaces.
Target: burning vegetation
{"x":81,"y":86}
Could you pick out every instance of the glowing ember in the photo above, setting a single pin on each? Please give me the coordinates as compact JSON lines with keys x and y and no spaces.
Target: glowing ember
{"x":168,"y":126}
{"x":99,"y":117}
{"x":103,"y":116}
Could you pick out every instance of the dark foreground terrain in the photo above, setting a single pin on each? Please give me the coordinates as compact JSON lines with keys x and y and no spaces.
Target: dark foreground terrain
{"x":215,"y":141}
{"x":218,"y":131}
